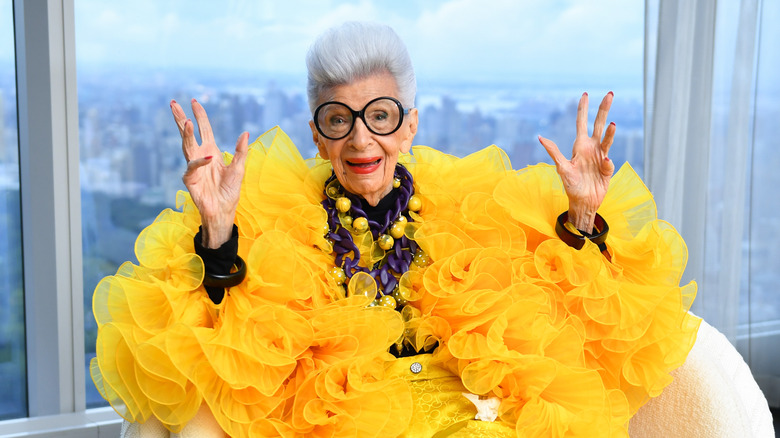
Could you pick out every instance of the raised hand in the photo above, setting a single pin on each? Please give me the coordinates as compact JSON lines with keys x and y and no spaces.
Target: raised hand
{"x":586,"y":176}
{"x":214,"y":187}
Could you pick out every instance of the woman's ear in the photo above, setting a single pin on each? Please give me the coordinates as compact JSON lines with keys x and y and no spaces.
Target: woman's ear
{"x":315,"y":136}
{"x":410,"y":120}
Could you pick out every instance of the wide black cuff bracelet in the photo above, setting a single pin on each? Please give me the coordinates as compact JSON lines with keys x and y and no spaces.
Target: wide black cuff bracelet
{"x":576,"y":241}
{"x":227,"y":280}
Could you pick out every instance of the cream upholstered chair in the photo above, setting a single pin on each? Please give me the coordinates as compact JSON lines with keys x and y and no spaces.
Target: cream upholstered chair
{"x":202,"y":426}
{"x":713,"y":395}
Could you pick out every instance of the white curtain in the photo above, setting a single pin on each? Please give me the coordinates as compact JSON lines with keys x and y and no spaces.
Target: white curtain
{"x":703,"y":78}
{"x":677,"y":139}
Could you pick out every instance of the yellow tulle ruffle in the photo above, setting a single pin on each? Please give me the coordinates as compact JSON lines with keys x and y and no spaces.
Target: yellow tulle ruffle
{"x":571,"y":343}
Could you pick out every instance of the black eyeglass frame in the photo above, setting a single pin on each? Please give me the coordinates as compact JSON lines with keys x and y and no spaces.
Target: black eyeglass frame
{"x":360,"y":114}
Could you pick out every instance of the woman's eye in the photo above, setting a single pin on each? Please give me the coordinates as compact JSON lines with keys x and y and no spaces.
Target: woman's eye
{"x":379,"y":116}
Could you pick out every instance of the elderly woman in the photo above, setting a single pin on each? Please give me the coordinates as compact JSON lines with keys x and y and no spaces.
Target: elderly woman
{"x":374,"y":292}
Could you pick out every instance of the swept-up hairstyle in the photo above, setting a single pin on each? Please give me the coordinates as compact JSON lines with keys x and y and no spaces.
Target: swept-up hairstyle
{"x":355,"y":50}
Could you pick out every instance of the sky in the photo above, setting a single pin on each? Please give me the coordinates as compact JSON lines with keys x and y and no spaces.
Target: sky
{"x":446,"y":38}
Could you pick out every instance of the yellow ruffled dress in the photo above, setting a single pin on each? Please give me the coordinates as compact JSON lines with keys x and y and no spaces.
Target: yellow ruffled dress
{"x":560,"y":342}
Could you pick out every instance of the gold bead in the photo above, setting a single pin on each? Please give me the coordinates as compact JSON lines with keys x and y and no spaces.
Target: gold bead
{"x":360,"y":224}
{"x":399,"y":298}
{"x":415,"y":203}
{"x":338,"y":275}
{"x":325,"y":229}
{"x":396,"y":230}
{"x":421,"y":259}
{"x":343,"y":204}
{"x":401,"y":220}
{"x":333,"y":191}
{"x":387,"y":301}
{"x":385,"y":241}
{"x":396,"y":183}
{"x":346,"y":220}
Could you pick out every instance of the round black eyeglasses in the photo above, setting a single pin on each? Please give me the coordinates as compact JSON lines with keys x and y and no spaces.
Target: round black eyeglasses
{"x":382,"y":116}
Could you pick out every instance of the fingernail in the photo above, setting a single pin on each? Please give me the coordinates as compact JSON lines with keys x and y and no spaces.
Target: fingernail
{"x":194,"y":100}
{"x":173,"y":101}
{"x":585,"y":93}
{"x":612,"y":123}
{"x":539,"y":137}
{"x":208,"y":158}
{"x":611,"y":93}
{"x":606,"y":158}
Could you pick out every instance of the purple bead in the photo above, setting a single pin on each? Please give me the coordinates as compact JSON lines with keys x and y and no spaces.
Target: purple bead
{"x":390,"y":285}
{"x":395,"y":264}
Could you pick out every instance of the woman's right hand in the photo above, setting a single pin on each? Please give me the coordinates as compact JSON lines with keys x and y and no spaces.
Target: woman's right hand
{"x":214,"y":187}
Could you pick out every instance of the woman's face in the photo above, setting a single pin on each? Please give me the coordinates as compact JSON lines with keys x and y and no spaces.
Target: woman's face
{"x":364,"y":162}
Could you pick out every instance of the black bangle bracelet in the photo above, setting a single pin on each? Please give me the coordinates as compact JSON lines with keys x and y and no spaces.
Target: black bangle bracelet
{"x":227,"y":280}
{"x":576,"y":241}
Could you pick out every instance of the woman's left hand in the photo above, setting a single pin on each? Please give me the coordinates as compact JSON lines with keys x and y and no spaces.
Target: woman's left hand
{"x":586,"y":176}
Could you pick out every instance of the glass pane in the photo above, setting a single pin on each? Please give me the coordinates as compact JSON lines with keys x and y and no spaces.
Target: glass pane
{"x":13,"y":380}
{"x":244,"y":60}
{"x":764,"y":243}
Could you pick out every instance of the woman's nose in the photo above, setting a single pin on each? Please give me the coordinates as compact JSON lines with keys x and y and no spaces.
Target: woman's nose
{"x":360,"y":137}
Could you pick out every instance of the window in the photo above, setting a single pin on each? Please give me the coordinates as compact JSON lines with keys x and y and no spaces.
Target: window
{"x":714,"y":153}
{"x":506,"y":73}
{"x":762,"y":250}
{"x":13,"y":399}
{"x":521,"y":79}
{"x":131,"y":62}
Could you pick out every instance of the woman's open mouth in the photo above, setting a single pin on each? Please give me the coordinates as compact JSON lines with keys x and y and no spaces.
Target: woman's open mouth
{"x":364,"y":165}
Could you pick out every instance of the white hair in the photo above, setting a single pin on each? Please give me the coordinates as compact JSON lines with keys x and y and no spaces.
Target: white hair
{"x":354,"y":51}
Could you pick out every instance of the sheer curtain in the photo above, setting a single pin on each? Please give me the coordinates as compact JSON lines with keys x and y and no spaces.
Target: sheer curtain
{"x":711,"y":94}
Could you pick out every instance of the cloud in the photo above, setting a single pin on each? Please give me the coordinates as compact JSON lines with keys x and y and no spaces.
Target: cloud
{"x":540,"y":37}
{"x":462,"y":38}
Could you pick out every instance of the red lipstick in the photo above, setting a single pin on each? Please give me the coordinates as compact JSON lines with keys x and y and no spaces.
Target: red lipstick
{"x":364,"y":165}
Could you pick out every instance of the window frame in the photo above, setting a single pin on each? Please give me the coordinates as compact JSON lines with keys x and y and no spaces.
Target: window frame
{"x":47,"y":105}
{"x":51,"y":226}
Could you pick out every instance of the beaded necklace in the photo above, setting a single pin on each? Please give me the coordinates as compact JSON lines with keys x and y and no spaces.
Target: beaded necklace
{"x":392,"y":252}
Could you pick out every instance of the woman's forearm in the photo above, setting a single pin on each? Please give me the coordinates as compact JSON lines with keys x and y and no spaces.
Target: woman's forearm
{"x":582,"y":216}
{"x":217,"y":230}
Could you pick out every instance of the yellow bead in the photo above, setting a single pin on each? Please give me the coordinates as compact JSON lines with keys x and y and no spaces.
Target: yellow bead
{"x":325,"y":228}
{"x":360,"y":224}
{"x":415,"y":203}
{"x":331,"y":243}
{"x":385,"y":241}
{"x":396,"y":183}
{"x":421,"y":259}
{"x":387,"y":301}
{"x":346,"y":221}
{"x":343,"y":204}
{"x":401,"y":220}
{"x":396,"y":230}
{"x":399,"y":298}
{"x":333,"y":191}
{"x":338,"y":275}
